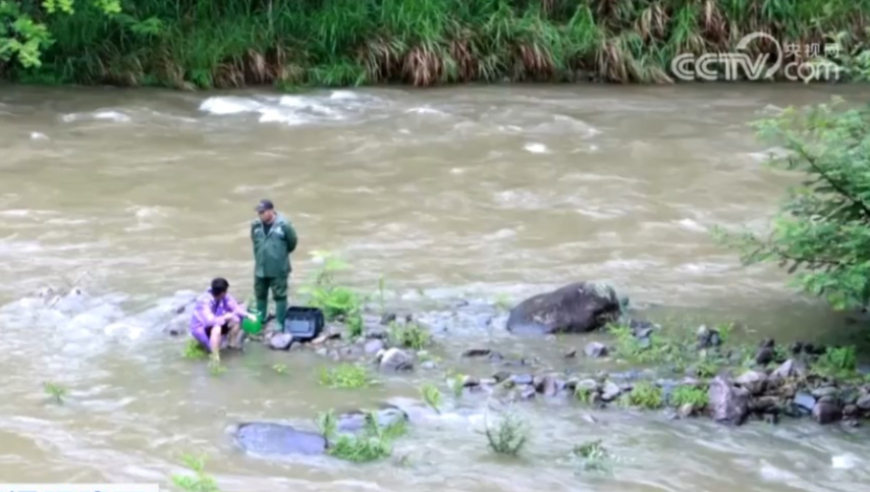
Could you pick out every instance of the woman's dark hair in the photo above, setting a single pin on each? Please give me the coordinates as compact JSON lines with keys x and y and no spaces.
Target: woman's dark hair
{"x":219,"y":286}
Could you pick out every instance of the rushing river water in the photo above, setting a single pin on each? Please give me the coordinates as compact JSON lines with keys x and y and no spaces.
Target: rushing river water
{"x":455,"y":192}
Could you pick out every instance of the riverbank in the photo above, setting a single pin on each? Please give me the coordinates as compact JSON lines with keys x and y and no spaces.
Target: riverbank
{"x":293,"y":43}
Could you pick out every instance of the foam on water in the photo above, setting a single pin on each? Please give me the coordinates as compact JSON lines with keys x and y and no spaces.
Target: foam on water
{"x":109,"y":115}
{"x":290,"y":109}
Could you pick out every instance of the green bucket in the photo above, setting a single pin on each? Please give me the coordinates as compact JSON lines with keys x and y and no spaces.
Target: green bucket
{"x":252,"y":327}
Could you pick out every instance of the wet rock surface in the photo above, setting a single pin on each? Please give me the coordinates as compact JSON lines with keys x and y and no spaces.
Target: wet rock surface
{"x":576,"y":308}
{"x":267,"y":438}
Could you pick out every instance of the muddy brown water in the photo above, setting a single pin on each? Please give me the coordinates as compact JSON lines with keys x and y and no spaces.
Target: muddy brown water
{"x":461,"y":192}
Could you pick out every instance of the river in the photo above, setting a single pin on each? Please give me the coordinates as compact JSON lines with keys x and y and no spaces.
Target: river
{"x":472,"y":191}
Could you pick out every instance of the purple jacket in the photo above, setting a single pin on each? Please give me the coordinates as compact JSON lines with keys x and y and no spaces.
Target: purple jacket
{"x":207,"y":310}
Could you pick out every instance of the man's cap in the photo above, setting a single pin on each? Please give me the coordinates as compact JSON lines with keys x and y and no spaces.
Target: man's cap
{"x":264,"y":205}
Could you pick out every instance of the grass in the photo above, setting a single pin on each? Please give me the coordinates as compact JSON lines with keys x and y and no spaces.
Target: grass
{"x":330,"y":43}
{"x":280,"y":368}
{"x":55,"y":390}
{"x":198,"y":481}
{"x":509,"y":437}
{"x":410,"y":335}
{"x":839,"y":363}
{"x":595,"y":457}
{"x":194,"y":351}
{"x":432,"y":396}
{"x":347,"y":376}
{"x":373,"y":443}
{"x":645,"y":395}
{"x":682,"y":395}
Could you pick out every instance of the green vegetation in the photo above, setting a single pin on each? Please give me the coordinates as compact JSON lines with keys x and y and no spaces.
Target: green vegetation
{"x":193,"y":350}
{"x":215,"y":368}
{"x":373,"y":443}
{"x":509,"y":438}
{"x":280,"y":368}
{"x":291,"y":43}
{"x":682,"y":395}
{"x":55,"y":390}
{"x":584,"y":395}
{"x":432,"y":397}
{"x":199,"y":482}
{"x":346,"y":376}
{"x":410,"y":335}
{"x":821,"y":231}
{"x":645,"y":395}
{"x":594,"y":456}
{"x":839,"y":363}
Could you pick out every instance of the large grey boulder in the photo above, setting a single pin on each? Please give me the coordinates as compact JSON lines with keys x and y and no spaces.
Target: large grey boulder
{"x":267,"y":438}
{"x":576,"y":308}
{"x":728,"y":403}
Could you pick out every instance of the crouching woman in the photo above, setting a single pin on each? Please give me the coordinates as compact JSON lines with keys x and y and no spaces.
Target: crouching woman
{"x":217,"y":318}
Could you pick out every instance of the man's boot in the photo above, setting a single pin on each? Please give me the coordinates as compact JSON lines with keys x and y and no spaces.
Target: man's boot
{"x":280,"y":314}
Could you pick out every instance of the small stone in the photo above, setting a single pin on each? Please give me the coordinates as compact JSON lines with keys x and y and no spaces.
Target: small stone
{"x":825,"y":391}
{"x":755,"y":382}
{"x":395,"y":359}
{"x":850,"y":411}
{"x":805,"y":400}
{"x":501,"y":376}
{"x":469,"y":381}
{"x":764,"y":356}
{"x":527,"y":393}
{"x":595,"y":349}
{"x":521,"y":379}
{"x":388,"y":318}
{"x":826,"y":413}
{"x":863,"y":403}
{"x":281,"y":341}
{"x":373,"y":346}
{"x":790,"y":369}
{"x":708,"y":338}
{"x":546,"y":385}
{"x":764,"y":404}
{"x":644,"y":343}
{"x":767,"y":343}
{"x":610,"y":391}
{"x":687,"y":410}
{"x":495,"y":357}
{"x":771,"y":418}
{"x":587,"y":385}
{"x":477,"y":352}
{"x":570,"y":354}
{"x":851,"y":423}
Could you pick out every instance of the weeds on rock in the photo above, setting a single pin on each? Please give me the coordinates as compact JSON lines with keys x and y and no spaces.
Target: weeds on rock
{"x":193,"y":350}
{"x":509,"y":437}
{"x":645,"y":395}
{"x":55,"y":390}
{"x":410,"y":335}
{"x":432,"y":397}
{"x":373,"y":443}
{"x":594,"y":456}
{"x":346,"y":376}
{"x":199,"y":482}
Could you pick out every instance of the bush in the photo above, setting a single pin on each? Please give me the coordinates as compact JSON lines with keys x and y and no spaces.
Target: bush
{"x":821,"y":232}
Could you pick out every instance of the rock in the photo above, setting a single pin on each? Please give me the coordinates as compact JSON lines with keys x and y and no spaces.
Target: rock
{"x":547,"y":385}
{"x":729,"y":404}
{"x":373,"y":346}
{"x":708,"y":338}
{"x":771,"y":418}
{"x":755,"y":382}
{"x":641,"y":329}
{"x":281,"y":341}
{"x":687,"y":410}
{"x":388,"y":318}
{"x":767,"y":343}
{"x":354,"y":421}
{"x":527,"y":392}
{"x":764,"y":404}
{"x":576,"y":308}
{"x":595,"y":349}
{"x":376,"y":332}
{"x":765,"y":355}
{"x":429,"y":365}
{"x":469,"y":381}
{"x":826,"y":413}
{"x":610,"y":391}
{"x":395,"y":359}
{"x":590,"y":385}
{"x":495,"y":357}
{"x":805,"y":401}
{"x":863,"y":403}
{"x":277,"y":439}
{"x":850,"y":411}
{"x":644,"y":343}
{"x":792,"y":368}
{"x":522,"y":379}
{"x":477,"y":352}
{"x":825,"y":392}
{"x":501,"y":376}
{"x":570,"y":354}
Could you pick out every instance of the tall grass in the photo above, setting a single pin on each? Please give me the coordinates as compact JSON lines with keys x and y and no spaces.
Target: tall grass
{"x":235,"y":43}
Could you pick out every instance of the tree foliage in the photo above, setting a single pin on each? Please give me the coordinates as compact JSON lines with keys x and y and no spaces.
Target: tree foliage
{"x":821,"y":232}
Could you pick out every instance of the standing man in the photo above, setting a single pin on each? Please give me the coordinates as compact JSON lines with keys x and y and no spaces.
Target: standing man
{"x":274,"y":239}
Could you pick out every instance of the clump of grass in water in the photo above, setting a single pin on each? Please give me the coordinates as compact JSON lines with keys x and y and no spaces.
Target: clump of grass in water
{"x":503,"y":302}
{"x":346,"y":376}
{"x":837,"y":363}
{"x":193,"y":350}
{"x":457,"y":384}
{"x":215,"y":368}
{"x":584,"y":395}
{"x":373,"y":443}
{"x":594,"y":456}
{"x":432,"y":397}
{"x":645,"y":395}
{"x":55,"y":390}
{"x":199,"y":482}
{"x":335,"y":301}
{"x":410,"y":335}
{"x":280,"y":368}
{"x":696,"y":396}
{"x":510,"y":437}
